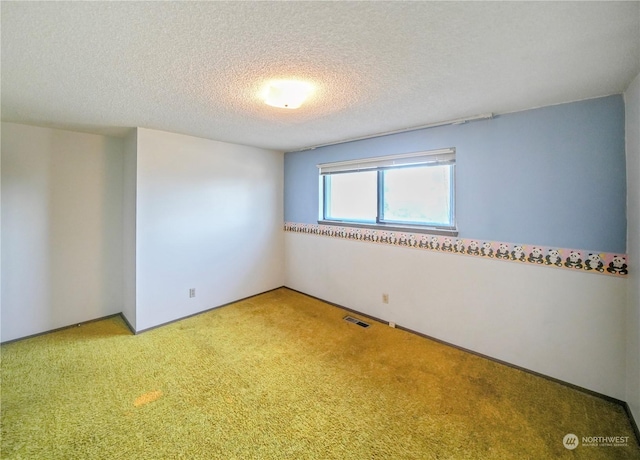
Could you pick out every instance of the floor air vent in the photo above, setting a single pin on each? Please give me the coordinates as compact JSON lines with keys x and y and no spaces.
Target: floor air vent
{"x":351,"y":319}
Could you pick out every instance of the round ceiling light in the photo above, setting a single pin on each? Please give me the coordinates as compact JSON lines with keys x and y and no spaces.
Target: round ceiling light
{"x":286,"y":94}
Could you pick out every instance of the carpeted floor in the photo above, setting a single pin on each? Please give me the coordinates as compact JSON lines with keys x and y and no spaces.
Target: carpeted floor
{"x":282,"y":376}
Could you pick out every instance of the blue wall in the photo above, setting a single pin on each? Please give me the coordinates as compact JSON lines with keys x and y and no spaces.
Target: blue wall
{"x":553,"y":176}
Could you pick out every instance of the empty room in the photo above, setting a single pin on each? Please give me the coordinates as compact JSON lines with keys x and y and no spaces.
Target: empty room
{"x":320,"y":230}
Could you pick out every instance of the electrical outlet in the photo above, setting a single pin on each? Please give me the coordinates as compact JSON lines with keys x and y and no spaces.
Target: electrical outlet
{"x":392,"y":324}
{"x":385,"y":298}
{"x":192,"y":292}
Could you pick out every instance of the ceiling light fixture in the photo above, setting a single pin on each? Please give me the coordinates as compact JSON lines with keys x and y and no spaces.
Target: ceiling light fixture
{"x":286,"y":94}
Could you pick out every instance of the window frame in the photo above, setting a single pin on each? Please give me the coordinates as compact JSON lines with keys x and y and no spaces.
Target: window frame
{"x":380,"y":164}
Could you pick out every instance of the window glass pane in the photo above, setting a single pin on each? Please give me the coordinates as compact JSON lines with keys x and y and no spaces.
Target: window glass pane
{"x":352,"y":196}
{"x":418,"y":195}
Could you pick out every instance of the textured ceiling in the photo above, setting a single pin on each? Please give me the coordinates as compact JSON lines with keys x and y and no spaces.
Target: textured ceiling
{"x":197,"y":67}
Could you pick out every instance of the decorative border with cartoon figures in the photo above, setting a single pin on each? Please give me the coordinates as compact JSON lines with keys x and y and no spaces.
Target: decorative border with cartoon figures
{"x":570,"y":259}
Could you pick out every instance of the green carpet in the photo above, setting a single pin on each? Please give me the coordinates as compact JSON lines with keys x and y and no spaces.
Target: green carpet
{"x":282,"y":376}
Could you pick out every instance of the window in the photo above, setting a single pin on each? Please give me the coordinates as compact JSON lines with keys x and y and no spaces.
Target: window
{"x":409,"y":191}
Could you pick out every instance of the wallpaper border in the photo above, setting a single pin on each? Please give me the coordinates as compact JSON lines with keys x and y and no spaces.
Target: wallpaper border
{"x":605,"y":263}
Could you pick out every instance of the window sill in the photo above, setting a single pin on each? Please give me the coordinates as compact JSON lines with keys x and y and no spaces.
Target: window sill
{"x":393,"y":227}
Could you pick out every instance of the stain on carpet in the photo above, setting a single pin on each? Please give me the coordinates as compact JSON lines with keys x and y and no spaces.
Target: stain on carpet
{"x":147,"y":398}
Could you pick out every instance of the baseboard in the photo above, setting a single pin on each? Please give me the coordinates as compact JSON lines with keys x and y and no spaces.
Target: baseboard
{"x":128,"y":324}
{"x":634,"y":425}
{"x":611,"y":399}
{"x":205,"y":311}
{"x":62,"y":328}
{"x":624,"y":404}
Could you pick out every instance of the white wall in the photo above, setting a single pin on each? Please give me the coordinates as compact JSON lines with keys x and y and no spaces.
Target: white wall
{"x":61,"y":228}
{"x":632,"y":134}
{"x":209,"y":216}
{"x":560,"y":323}
{"x":0,"y":238}
{"x":130,"y":173}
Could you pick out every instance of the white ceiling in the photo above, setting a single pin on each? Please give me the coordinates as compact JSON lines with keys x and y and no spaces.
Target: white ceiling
{"x":197,"y":67}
